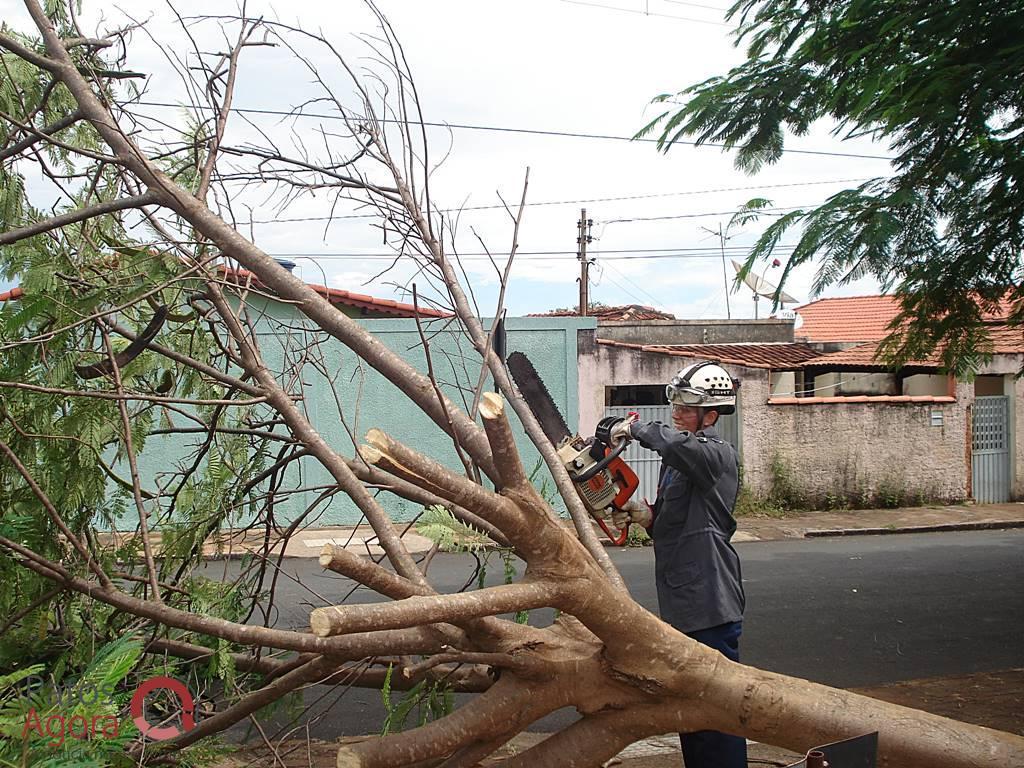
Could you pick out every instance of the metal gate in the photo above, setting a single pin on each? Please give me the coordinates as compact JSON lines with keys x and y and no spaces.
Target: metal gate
{"x":990,"y":454}
{"x":647,"y":464}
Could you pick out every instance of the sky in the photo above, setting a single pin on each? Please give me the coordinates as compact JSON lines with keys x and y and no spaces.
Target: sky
{"x":551,"y":66}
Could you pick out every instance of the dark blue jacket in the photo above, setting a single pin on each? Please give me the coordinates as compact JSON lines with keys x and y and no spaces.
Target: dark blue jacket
{"x":696,"y":569}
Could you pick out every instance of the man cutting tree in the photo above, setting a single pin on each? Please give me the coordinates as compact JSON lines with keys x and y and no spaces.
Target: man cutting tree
{"x":696,"y":569}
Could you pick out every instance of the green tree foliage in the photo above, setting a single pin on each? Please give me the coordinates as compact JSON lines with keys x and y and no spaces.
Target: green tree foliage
{"x":940,"y":84}
{"x":75,"y":446}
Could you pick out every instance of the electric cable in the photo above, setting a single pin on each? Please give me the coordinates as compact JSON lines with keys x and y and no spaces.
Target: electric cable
{"x":648,"y":13}
{"x":565,"y":255}
{"x":620,"y":198}
{"x":504,"y":129}
{"x":825,"y":386}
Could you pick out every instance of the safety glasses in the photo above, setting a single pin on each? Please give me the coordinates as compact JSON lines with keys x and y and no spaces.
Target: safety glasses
{"x":685,"y":395}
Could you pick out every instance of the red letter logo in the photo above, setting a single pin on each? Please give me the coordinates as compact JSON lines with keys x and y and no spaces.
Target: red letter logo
{"x":137,"y":709}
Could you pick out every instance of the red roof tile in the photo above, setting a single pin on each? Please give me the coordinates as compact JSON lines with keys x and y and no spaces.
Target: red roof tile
{"x":851,"y":318}
{"x":777,"y":356}
{"x":624,"y":312}
{"x":1004,"y":340}
{"x":358,"y":300}
{"x":863,"y":356}
{"x":863,"y":318}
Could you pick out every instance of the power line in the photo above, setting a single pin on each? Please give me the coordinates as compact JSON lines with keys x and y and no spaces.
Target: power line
{"x":506,"y":129}
{"x":633,"y":283}
{"x":698,"y":5}
{"x":627,"y":254}
{"x":769,"y":211}
{"x":648,"y":13}
{"x":620,"y":198}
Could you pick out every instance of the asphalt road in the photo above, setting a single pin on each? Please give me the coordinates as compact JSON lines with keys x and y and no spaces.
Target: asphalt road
{"x":850,"y":611}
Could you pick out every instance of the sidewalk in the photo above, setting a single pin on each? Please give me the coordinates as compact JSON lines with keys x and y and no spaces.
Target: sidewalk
{"x":862,"y":522}
{"x":309,"y":542}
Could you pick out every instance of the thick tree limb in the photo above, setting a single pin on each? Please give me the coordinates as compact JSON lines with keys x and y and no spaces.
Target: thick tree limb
{"x":396,"y":458}
{"x":375,"y":476}
{"x":586,"y":743}
{"x":27,"y":54}
{"x":508,"y":707}
{"x":502,"y":442}
{"x":369,"y":574}
{"x":799,"y":714}
{"x":414,"y":611}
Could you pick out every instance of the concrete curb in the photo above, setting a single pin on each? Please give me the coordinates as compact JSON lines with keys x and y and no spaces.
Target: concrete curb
{"x":981,"y":525}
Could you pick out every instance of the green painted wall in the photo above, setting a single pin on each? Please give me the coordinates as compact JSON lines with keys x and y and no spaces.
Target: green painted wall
{"x":353,"y":397}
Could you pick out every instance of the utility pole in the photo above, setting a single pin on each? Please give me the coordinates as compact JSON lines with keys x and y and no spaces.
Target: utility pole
{"x":725,"y":273}
{"x":722,"y":238}
{"x":583,"y":237}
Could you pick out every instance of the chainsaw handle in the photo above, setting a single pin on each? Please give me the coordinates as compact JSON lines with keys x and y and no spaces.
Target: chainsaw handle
{"x":602,"y":464}
{"x":619,"y":540}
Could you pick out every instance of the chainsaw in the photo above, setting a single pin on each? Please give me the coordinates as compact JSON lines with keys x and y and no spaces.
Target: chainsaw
{"x":603,"y":480}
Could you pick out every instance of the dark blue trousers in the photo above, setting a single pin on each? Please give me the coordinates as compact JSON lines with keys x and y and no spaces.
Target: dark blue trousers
{"x":711,"y":749}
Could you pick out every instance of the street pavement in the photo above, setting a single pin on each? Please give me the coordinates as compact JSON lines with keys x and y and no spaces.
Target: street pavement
{"x":843,"y":610}
{"x":308,"y":543}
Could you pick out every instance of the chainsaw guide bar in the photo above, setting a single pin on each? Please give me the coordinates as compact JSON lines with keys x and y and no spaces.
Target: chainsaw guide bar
{"x":531,"y":385}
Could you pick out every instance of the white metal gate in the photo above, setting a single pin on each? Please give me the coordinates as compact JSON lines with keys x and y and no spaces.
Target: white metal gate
{"x":647,"y":464}
{"x":990,"y":454}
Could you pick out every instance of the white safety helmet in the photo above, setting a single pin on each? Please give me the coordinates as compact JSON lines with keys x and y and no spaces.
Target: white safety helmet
{"x":703,"y":385}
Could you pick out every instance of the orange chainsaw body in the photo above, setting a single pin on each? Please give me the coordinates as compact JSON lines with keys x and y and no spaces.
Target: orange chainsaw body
{"x":610,"y":488}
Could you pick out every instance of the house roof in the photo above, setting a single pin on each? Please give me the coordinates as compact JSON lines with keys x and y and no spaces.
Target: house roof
{"x":1004,"y":339}
{"x":357,"y":300}
{"x":847,"y":318}
{"x":623,"y":312}
{"x":777,"y":356}
{"x":863,"y":318}
{"x":364,"y":301}
{"x":334,"y":295}
{"x":863,"y":357}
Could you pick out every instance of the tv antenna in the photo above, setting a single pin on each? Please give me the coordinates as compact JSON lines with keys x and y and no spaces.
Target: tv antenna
{"x":762,"y":287}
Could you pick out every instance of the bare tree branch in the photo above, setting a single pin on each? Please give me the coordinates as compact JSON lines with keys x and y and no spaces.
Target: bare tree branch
{"x":72,"y":217}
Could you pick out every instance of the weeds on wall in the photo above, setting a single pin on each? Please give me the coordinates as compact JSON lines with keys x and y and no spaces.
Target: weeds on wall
{"x":850,"y":490}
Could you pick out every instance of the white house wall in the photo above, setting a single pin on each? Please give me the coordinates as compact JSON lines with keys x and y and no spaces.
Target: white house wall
{"x":829,"y":446}
{"x":851,"y":449}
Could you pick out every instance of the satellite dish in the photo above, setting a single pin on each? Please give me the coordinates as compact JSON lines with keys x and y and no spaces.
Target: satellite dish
{"x":762,"y":287}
